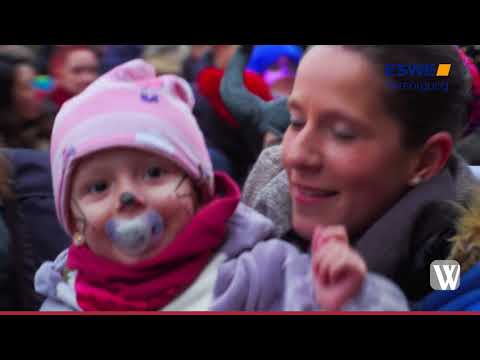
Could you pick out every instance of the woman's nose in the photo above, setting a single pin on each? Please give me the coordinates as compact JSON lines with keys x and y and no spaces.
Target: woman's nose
{"x":305,"y":150}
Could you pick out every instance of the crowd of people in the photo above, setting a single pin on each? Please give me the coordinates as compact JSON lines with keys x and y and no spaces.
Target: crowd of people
{"x":236,"y":177}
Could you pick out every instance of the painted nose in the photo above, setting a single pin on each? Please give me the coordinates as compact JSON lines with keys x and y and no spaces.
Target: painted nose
{"x":127,"y":199}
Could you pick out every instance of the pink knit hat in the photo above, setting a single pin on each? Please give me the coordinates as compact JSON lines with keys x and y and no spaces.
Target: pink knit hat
{"x":129,"y":107}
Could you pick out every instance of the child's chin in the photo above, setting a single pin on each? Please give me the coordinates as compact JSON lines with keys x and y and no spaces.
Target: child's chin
{"x":131,"y":259}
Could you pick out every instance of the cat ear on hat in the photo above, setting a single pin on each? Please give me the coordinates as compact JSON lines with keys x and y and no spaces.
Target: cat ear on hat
{"x":132,"y":71}
{"x":142,"y":73}
{"x":179,"y":88}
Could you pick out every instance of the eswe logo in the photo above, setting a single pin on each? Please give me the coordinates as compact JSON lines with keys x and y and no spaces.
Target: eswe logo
{"x":445,"y":275}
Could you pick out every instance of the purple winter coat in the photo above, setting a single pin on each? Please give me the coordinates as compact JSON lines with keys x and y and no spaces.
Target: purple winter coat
{"x":249,"y":273}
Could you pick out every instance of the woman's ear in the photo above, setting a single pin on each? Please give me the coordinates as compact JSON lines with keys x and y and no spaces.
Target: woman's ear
{"x":433,"y":157}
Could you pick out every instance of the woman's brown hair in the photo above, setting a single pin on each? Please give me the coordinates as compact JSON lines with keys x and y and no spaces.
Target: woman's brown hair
{"x":423,"y":113}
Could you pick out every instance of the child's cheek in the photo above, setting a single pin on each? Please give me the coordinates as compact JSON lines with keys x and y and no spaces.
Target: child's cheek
{"x":96,"y":215}
{"x":175,"y":194}
{"x":176,"y":206}
{"x":170,"y":203}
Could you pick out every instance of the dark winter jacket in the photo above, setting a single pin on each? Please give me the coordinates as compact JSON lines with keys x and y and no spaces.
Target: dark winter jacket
{"x":34,"y":235}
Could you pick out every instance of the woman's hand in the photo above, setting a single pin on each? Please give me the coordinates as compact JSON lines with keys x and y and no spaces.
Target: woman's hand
{"x":338,"y":269}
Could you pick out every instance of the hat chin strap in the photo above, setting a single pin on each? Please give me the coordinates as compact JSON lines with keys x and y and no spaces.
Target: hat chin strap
{"x":134,"y":236}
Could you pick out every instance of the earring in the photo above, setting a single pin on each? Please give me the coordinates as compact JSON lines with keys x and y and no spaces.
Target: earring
{"x":78,"y":239}
{"x":416,"y":181}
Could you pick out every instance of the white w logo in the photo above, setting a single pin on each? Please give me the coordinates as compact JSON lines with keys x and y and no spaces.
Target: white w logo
{"x":449,"y":278}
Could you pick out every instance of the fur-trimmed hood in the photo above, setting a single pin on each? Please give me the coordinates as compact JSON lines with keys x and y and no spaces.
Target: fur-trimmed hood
{"x":466,"y":242}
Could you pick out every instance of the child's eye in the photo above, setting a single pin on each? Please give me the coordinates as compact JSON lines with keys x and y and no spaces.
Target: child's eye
{"x":98,"y":187}
{"x":153,"y":172}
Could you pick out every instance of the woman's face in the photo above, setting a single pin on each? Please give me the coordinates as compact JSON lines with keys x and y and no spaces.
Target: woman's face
{"x":79,"y":70}
{"x":157,"y":185}
{"x":342,"y":152}
{"x":26,"y":103}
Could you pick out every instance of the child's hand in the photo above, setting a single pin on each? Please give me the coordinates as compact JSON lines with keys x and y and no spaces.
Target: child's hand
{"x":338,"y":270}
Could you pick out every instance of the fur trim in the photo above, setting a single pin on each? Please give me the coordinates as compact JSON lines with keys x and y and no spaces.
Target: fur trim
{"x":466,"y":242}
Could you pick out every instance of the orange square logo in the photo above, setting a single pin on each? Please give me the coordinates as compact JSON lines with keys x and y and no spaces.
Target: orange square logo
{"x":443,"y":69}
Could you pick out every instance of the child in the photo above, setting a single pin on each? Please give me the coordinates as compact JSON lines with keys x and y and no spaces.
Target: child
{"x":154,"y":229}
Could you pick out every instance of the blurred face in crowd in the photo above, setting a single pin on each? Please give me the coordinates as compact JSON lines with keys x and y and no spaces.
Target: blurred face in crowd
{"x":280,"y":77}
{"x":79,"y":70}
{"x":156,"y":184}
{"x":26,"y":103}
{"x":342,"y":152}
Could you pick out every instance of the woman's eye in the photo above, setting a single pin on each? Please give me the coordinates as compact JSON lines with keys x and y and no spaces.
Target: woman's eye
{"x":344,"y":134}
{"x":153,"y":172}
{"x":98,"y":187}
{"x":296,"y":124}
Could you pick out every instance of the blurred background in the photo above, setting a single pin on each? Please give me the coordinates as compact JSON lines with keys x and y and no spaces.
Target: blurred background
{"x":35,"y":80}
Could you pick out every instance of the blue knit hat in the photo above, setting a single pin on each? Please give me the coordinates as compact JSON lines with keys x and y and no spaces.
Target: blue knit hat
{"x":264,"y":56}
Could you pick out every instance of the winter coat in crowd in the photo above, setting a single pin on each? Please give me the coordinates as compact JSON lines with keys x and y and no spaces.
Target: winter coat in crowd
{"x":249,"y":271}
{"x":402,"y":243}
{"x":29,"y":231}
{"x":465,"y":249}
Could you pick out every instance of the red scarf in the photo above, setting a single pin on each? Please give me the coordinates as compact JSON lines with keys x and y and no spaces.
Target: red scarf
{"x":102,"y":284}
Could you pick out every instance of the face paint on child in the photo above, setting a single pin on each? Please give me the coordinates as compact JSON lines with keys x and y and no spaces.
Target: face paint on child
{"x":129,"y":204}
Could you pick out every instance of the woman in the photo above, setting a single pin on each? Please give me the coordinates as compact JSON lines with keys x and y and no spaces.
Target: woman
{"x":73,"y":67}
{"x":369,"y":147}
{"x":24,"y":120}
